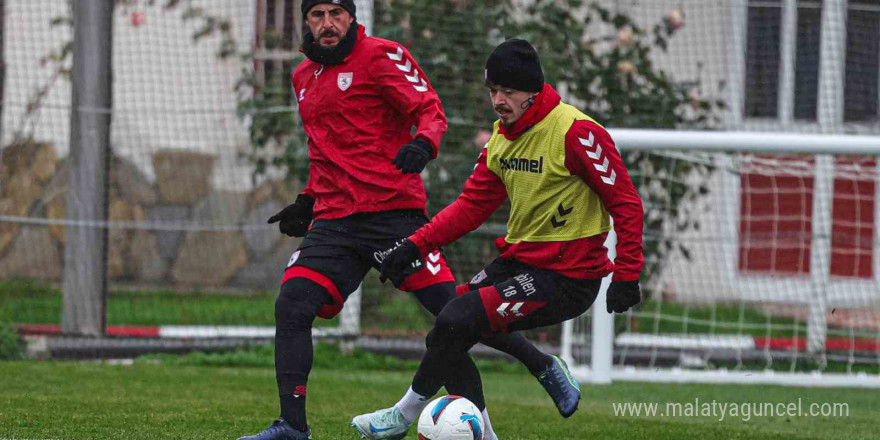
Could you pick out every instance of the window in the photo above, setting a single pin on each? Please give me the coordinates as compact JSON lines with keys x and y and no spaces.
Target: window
{"x":806,"y":68}
{"x":762,"y":59}
{"x":784,"y":54}
{"x":776,"y":211}
{"x":852,"y":220}
{"x":765,"y":59}
{"x":279,"y":30}
{"x":862,"y":56}
{"x":776,"y":216}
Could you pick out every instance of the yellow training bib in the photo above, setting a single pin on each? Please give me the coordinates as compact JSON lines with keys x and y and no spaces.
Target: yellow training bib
{"x":548,"y":203}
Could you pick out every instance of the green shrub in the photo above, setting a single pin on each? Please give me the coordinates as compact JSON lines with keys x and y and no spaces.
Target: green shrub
{"x":11,"y":346}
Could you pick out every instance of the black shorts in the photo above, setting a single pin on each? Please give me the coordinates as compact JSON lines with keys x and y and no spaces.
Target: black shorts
{"x":517,"y":296}
{"x":338,"y":253}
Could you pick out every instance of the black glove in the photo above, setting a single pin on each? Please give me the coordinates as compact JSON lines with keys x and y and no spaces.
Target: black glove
{"x":622,"y":295}
{"x":397,"y":261}
{"x":295,"y":218}
{"x":412,"y":157}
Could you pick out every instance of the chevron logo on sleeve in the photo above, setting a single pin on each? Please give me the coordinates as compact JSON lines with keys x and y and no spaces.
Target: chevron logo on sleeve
{"x":406,"y":66}
{"x":601,"y":163}
{"x":433,"y":263}
{"x":504,"y":311}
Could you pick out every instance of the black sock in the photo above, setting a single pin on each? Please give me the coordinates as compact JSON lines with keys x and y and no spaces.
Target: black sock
{"x":295,"y":310}
{"x":519,"y":347}
{"x":293,"y":410}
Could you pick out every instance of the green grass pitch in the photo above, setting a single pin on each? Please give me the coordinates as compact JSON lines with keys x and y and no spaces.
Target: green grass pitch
{"x":153,"y":399}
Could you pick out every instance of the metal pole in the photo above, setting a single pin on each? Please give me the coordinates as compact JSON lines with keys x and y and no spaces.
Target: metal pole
{"x":350,"y":318}
{"x":830,"y":115}
{"x":788,"y":56}
{"x":85,"y":253}
{"x":602,"y":348}
{"x":2,"y":62}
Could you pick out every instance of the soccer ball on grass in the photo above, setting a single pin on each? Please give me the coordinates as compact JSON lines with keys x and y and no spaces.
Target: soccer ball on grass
{"x":451,"y":418}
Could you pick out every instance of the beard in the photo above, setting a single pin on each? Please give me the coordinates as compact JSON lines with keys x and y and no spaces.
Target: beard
{"x":331,"y":55}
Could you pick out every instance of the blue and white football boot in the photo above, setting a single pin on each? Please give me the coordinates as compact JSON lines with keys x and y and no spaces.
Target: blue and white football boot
{"x":383,"y":424}
{"x":280,"y":430}
{"x":562,"y":387}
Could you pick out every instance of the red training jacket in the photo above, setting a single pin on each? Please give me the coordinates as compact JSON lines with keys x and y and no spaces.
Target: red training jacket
{"x":584,"y":258}
{"x":357,"y":115}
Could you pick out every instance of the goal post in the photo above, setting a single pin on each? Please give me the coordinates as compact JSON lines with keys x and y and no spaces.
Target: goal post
{"x":767,"y":269}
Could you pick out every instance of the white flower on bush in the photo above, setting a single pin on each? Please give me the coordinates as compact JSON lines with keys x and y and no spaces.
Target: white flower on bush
{"x":625,"y":36}
{"x":586,"y":40}
{"x":675,"y":19}
{"x":626,"y":67}
{"x":695,"y":97}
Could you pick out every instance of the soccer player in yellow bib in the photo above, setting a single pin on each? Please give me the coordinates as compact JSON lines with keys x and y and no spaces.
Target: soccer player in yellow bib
{"x":565,"y":180}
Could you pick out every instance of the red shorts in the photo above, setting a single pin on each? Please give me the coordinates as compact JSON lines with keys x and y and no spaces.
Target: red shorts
{"x":517,"y":296}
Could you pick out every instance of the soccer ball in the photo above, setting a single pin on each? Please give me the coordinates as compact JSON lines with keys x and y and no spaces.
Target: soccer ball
{"x":451,"y":418}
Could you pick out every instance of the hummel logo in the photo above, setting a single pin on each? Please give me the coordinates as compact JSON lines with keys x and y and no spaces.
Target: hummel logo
{"x":588,"y":142}
{"x":562,"y":213}
{"x":610,"y":180}
{"x":434,"y":258}
{"x":602,"y":165}
{"x":396,"y":56}
{"x":502,"y":309}
{"x":406,"y":67}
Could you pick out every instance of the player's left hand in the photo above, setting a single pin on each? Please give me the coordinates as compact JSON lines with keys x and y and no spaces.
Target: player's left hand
{"x":414,"y":156}
{"x":622,"y":295}
{"x":397,"y":261}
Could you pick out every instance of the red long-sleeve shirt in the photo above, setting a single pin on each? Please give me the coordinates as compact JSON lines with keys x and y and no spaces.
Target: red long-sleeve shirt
{"x":357,"y":115}
{"x":585,"y":258}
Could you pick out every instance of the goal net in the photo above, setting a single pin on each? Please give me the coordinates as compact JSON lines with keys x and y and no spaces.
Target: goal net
{"x":760,"y":258}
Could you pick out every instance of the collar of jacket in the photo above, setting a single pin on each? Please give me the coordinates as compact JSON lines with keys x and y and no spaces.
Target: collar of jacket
{"x":335,"y":55}
{"x":545,"y":102}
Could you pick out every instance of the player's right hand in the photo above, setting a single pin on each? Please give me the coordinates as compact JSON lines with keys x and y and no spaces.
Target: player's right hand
{"x":397,"y":261}
{"x":296,"y":217}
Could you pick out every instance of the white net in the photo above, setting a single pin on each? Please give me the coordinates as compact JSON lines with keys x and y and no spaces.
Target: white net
{"x":758,"y":262}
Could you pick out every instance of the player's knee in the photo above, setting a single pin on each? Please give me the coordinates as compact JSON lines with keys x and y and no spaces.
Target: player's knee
{"x":298,"y":303}
{"x":452,"y":324}
{"x":461,"y":318}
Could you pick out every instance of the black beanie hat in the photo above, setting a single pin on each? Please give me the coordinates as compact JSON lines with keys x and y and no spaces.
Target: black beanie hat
{"x":515,"y":64}
{"x":347,"y":4}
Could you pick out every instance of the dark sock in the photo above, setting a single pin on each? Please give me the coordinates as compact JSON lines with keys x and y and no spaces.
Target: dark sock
{"x":293,"y":410}
{"x":519,"y":347}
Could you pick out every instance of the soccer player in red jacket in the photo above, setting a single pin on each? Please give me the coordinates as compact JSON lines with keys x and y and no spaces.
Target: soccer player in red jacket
{"x":359,"y":98}
{"x":565,"y":180}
